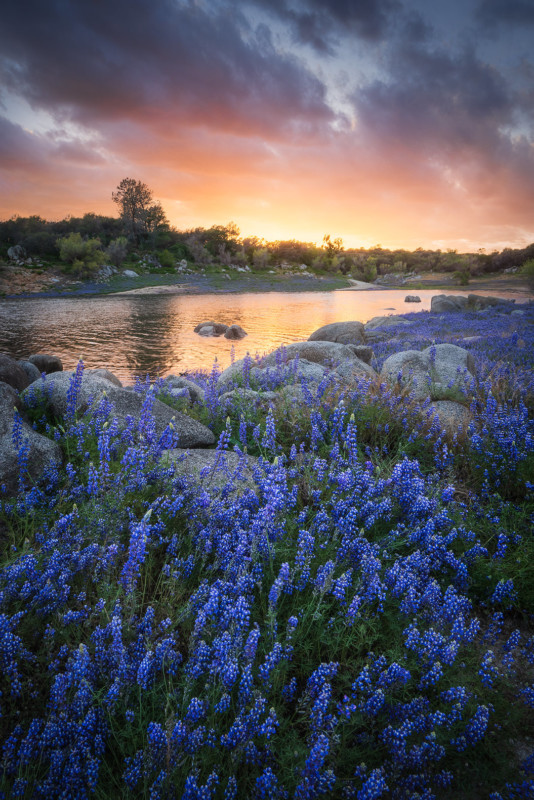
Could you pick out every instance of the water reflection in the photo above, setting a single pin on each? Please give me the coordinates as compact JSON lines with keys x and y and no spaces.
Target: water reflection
{"x":153,"y":334}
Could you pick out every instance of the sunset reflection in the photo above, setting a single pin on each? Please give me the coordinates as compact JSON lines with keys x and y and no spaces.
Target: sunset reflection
{"x":136,"y":335}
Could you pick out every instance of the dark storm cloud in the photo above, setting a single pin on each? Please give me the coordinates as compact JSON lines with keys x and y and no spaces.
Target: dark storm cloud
{"x":494,"y":13}
{"x":453,"y":113}
{"x":163,"y":62}
{"x":321,"y":23}
{"x":436,"y":96}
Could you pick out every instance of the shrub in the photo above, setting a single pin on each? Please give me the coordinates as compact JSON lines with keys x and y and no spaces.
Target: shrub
{"x":117,"y":250}
{"x":261,"y":258}
{"x":528,"y":270}
{"x":83,"y":256}
{"x":461,"y":277}
{"x":166,"y":259}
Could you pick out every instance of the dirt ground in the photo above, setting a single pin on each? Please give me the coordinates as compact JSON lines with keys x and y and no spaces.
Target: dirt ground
{"x":19,"y":280}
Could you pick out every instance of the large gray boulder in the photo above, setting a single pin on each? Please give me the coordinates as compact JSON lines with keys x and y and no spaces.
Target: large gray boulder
{"x":32,"y":373}
{"x":326,"y":353}
{"x":433,"y":372}
{"x":247,"y":397}
{"x":9,"y":398}
{"x":480,"y":302}
{"x":448,"y":302}
{"x":16,"y":252}
{"x":306,"y":371}
{"x":102,"y":372}
{"x":363,"y":352}
{"x":351,"y":371}
{"x":232,"y":373}
{"x":340,"y":332}
{"x":386,"y":322}
{"x":213,"y":469}
{"x":12,"y":373}
{"x":42,"y":452}
{"x":126,"y":404}
{"x":46,"y":363}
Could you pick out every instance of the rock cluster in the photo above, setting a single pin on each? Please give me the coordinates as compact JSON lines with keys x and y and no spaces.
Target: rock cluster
{"x":473,"y":302}
{"x":442,"y":377}
{"x":220,"y":329}
{"x":49,"y":385}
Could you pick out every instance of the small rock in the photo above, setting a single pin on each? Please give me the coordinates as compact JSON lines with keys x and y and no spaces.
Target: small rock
{"x":130,"y":273}
{"x":180,"y":394}
{"x":235,"y":332}
{"x":412,"y":298}
{"x":218,"y":328}
{"x":179,"y":382}
{"x":207,"y":330}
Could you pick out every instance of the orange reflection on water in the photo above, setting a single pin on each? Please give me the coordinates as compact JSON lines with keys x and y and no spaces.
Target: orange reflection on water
{"x":153,"y":334}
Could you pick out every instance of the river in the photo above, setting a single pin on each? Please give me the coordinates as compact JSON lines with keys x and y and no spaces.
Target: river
{"x":153,"y":334}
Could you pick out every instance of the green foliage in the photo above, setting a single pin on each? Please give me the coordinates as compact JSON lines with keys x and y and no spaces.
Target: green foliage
{"x":117,"y":250}
{"x":180,"y":250}
{"x":332,"y":247}
{"x":141,"y":217}
{"x":461,"y":277}
{"x":166,"y":259}
{"x":370,"y":270}
{"x":261,"y":259}
{"x":83,"y":257}
{"x":528,"y":270}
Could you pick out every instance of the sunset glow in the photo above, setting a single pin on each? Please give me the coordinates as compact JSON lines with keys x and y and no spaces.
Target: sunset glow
{"x":399,"y":123}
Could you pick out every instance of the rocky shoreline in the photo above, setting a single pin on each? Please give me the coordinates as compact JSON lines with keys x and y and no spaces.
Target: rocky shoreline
{"x":16,"y":282}
{"x":441,"y":377}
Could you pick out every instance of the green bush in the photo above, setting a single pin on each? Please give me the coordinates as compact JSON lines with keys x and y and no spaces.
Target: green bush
{"x":83,"y":256}
{"x":528,"y":270}
{"x":117,"y":250}
{"x":461,"y":277}
{"x":166,"y":259}
{"x":369,"y":271}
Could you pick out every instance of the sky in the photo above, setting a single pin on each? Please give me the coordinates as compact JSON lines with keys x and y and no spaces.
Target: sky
{"x":404,"y":123}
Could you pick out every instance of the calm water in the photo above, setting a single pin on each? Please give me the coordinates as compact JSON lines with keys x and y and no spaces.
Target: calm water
{"x":140,"y":334}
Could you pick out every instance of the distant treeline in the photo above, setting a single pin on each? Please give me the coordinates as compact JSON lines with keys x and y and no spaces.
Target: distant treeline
{"x":222,"y":244}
